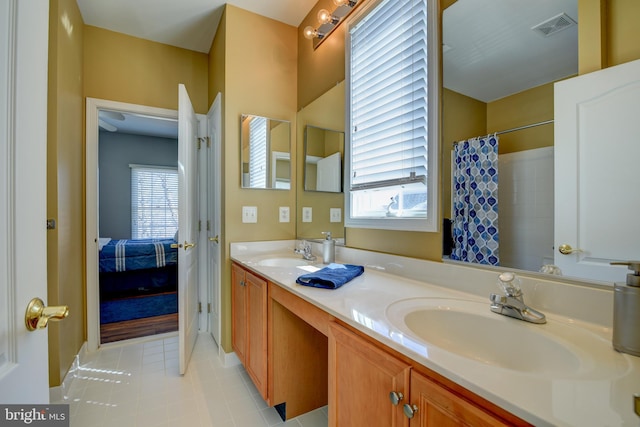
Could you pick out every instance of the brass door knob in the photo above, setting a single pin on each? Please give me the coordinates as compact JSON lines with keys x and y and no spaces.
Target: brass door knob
{"x":38,"y":315}
{"x":180,"y":245}
{"x":567,"y":249}
{"x":214,"y":239}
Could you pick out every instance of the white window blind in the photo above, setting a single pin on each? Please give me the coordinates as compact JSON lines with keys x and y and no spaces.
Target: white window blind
{"x":392,"y":99}
{"x":154,"y":201}
{"x":258,"y":150}
{"x":389,"y":96}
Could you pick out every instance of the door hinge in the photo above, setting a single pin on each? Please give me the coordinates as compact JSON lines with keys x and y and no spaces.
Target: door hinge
{"x":208,"y":141}
{"x":208,"y":307}
{"x":208,"y":225}
{"x":51,"y":224}
{"x":199,"y":307}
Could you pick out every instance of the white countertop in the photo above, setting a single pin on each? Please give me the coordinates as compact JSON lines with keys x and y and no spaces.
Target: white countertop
{"x":601,"y":394}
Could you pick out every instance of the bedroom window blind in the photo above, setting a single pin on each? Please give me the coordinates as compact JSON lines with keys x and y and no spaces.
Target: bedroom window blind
{"x":154,"y":201}
{"x":389,"y":114}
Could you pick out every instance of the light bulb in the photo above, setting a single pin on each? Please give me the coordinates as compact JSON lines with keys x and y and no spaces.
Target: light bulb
{"x":324,"y":16}
{"x":339,"y":3}
{"x":309,"y":32}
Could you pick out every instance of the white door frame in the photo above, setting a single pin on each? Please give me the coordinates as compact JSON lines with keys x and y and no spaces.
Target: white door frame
{"x":212,"y":201}
{"x":92,"y":134}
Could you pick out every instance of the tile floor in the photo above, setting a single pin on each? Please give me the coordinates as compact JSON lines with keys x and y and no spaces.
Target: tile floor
{"x":138,"y":385}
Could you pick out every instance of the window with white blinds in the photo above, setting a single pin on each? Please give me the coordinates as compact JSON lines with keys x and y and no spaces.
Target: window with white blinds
{"x":258,"y":150}
{"x":392,"y":148}
{"x":154,"y":201}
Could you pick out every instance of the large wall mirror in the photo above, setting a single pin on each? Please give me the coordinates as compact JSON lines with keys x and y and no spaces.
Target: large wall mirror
{"x":323,"y":210}
{"x":323,"y":164}
{"x":266,"y":152}
{"x":500,"y":59}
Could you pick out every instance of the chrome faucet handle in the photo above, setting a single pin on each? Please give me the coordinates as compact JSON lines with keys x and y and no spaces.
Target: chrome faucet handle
{"x":510,"y":284}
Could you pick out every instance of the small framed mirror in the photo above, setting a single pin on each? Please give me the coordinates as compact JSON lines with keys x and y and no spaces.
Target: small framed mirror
{"x":266,"y":152}
{"x":323,"y":159}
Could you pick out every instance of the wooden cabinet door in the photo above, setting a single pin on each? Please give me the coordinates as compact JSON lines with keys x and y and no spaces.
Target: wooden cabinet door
{"x":435,"y":406}
{"x":361,"y":377}
{"x":256,"y":357}
{"x":239,"y":313}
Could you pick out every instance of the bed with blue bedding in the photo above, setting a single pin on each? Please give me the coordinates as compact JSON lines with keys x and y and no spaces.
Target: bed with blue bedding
{"x":144,"y":271}
{"x":129,"y":255}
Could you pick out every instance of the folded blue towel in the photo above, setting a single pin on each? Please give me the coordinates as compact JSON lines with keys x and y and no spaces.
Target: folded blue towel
{"x":332,"y":276}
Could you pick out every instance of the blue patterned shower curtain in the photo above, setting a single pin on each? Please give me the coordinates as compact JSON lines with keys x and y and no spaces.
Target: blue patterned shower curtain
{"x":475,"y":201}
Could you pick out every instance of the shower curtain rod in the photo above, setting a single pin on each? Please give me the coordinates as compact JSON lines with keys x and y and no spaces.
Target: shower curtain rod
{"x":546,"y":122}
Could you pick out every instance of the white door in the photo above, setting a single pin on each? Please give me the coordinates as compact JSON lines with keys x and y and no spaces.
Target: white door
{"x":24,"y":371}
{"x":597,"y":147}
{"x":214,"y":132}
{"x":188,"y":211}
{"x":329,"y":176}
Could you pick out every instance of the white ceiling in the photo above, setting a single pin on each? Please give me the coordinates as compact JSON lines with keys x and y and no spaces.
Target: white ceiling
{"x":189,"y":24}
{"x":491,"y":51}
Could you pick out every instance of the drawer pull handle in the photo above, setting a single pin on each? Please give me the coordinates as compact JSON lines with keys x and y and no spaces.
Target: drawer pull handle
{"x":410,"y":410}
{"x":395,"y":397}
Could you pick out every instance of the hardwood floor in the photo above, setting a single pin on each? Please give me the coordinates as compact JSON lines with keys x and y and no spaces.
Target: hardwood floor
{"x":128,"y":329}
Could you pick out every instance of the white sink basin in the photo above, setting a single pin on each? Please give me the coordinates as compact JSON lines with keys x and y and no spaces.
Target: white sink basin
{"x":468,"y":329}
{"x":282,"y":262}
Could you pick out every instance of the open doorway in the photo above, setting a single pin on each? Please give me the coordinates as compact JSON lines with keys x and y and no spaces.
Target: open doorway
{"x":132,"y":186}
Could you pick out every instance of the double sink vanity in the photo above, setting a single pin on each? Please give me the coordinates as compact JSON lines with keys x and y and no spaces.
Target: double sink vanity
{"x":414,"y":342}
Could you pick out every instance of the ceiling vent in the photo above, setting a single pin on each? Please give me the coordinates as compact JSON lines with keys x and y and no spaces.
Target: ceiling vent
{"x":553,"y":25}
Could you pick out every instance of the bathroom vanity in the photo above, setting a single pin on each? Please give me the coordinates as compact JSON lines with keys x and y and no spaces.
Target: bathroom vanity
{"x":413,"y":342}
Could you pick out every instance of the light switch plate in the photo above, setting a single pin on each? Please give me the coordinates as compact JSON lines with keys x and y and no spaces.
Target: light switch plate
{"x":249,"y":214}
{"x":307,"y":214}
{"x":284,"y":213}
{"x":335,"y":215}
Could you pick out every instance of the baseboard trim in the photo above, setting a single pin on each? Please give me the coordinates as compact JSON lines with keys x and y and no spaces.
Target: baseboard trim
{"x":228,"y":359}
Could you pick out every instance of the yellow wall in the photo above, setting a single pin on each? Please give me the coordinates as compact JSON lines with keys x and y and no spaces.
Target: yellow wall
{"x":122,"y":68}
{"x":65,"y":191}
{"x":623,"y":33}
{"x":530,"y":106}
{"x":323,"y":68}
{"x":260,"y":81}
{"x":608,"y":33}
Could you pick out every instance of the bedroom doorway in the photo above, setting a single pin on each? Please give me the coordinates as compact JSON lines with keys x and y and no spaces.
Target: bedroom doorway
{"x":132,"y":284}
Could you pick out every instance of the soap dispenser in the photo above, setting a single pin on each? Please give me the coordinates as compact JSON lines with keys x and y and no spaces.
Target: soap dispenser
{"x":328,"y":248}
{"x":626,"y":311}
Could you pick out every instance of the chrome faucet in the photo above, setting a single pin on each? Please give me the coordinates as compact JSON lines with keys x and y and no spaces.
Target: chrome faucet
{"x":304,"y":249}
{"x":512,"y":303}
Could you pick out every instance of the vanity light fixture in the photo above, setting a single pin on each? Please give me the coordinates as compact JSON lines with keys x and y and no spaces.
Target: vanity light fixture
{"x":329,"y":21}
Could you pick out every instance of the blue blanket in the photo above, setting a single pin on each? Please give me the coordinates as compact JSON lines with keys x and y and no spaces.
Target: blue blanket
{"x":127,"y":255}
{"x":331,"y":277}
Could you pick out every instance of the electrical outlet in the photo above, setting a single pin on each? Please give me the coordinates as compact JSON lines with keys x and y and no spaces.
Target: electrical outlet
{"x":284,"y":213}
{"x":307,"y":214}
{"x":249,"y":214}
{"x":335,"y":215}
